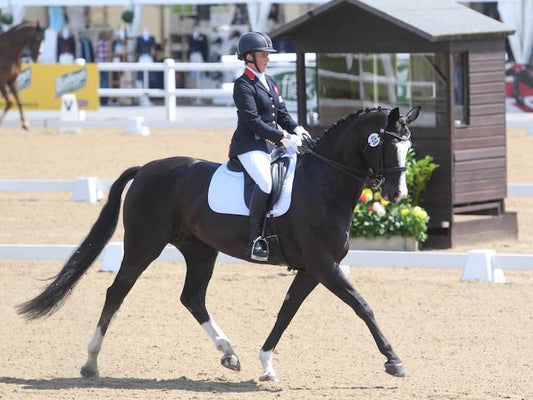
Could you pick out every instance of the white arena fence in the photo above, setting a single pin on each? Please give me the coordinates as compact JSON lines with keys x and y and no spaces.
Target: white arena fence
{"x":482,"y":265}
{"x":92,"y":189}
{"x":169,"y":68}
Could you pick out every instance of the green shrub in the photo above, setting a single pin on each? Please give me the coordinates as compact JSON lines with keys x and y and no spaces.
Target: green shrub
{"x":418,"y":174}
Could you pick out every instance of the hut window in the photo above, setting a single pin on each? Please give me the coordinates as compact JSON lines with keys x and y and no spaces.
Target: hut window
{"x":460,"y":95}
{"x":348,"y":82}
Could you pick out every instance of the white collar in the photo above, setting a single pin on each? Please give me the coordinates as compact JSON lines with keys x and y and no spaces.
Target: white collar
{"x":261,"y":76}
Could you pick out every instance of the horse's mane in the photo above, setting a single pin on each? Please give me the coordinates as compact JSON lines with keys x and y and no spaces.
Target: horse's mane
{"x":341,"y":123}
{"x":20,"y":26}
{"x":14,"y":29}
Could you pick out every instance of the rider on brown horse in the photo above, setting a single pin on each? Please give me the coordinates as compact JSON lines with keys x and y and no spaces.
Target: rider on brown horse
{"x":12,"y":42}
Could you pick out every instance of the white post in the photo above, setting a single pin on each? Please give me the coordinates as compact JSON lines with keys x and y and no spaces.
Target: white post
{"x":478,"y":267}
{"x":87,"y":189}
{"x":170,"y":89}
{"x":112,"y":257}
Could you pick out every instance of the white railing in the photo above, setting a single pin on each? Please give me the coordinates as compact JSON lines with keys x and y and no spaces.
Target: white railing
{"x":169,"y":68}
{"x":483,"y":265}
{"x":93,"y":187}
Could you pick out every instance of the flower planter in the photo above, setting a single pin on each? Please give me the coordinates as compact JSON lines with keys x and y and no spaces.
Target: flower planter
{"x":393,"y":243}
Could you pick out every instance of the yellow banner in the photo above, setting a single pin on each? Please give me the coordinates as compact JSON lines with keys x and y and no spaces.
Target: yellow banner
{"x":42,"y":85}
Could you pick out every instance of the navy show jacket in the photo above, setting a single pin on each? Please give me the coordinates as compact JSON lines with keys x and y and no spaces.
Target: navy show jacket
{"x":259,"y":111}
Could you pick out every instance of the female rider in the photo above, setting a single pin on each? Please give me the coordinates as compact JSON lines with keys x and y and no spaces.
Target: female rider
{"x":260,"y":109}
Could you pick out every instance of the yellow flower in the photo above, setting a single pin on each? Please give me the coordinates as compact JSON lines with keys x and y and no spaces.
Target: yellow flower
{"x":366,"y":195}
{"x":377,"y":196}
{"x":384,"y":202}
{"x":420,"y":212}
{"x":404,"y":211}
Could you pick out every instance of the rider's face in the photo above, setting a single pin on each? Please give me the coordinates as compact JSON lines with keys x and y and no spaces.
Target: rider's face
{"x":261,"y":59}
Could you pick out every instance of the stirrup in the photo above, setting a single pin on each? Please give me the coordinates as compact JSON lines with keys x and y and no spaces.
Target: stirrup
{"x":259,"y":240}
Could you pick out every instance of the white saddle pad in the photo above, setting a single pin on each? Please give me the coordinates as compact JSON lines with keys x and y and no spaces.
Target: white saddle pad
{"x":226,"y":192}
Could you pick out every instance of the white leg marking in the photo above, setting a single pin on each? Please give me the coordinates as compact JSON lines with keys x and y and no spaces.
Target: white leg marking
{"x":91,"y":366}
{"x":221,"y":341}
{"x":268,"y":369}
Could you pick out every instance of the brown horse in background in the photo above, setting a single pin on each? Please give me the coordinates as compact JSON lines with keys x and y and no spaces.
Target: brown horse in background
{"x":12,"y":42}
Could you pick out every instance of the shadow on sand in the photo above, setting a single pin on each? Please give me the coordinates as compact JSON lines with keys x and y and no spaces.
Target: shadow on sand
{"x":182,"y":383}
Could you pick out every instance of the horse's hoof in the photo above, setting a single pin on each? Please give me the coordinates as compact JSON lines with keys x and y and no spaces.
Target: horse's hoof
{"x":231,"y":362}
{"x":269,"y":377}
{"x":88,"y":372}
{"x":395,"y":368}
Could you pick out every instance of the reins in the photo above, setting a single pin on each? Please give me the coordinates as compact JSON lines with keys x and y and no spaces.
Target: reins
{"x":358,"y":174}
{"x":351,"y":172}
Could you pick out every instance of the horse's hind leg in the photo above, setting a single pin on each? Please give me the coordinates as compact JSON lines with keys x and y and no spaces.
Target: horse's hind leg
{"x":137,"y":257}
{"x":13,"y":88}
{"x":200,"y":259}
{"x":9,"y":103}
{"x":300,"y":288}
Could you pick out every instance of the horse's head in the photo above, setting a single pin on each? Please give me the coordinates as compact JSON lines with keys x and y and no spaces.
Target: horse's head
{"x":385,"y":153}
{"x":33,"y":41}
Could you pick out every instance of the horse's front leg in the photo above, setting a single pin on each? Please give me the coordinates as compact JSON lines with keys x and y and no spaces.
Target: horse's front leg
{"x":9,"y":103}
{"x":13,"y":88}
{"x":335,"y":280}
{"x":300,"y":288}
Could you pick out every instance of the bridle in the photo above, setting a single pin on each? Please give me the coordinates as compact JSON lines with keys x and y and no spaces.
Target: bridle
{"x":378,"y":176}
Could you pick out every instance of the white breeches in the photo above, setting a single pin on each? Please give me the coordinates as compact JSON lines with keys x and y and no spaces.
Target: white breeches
{"x":257,"y":164}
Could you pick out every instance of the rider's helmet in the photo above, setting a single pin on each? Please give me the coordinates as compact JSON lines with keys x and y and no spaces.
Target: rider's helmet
{"x":254,"y":41}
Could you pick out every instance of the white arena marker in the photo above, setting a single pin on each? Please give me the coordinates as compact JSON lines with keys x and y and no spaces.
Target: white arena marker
{"x":87,"y":189}
{"x":478,"y":267}
{"x":112,"y":257}
{"x":136,"y":126}
{"x":70,"y":114}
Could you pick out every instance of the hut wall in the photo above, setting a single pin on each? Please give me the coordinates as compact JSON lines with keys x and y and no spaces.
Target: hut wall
{"x":479,"y":149}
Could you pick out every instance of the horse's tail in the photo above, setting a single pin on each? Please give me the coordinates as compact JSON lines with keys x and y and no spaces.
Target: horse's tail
{"x":46,"y":303}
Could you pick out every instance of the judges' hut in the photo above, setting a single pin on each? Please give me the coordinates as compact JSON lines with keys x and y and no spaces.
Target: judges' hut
{"x":435,"y":53}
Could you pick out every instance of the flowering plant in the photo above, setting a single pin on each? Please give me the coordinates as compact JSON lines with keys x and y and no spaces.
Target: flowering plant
{"x":375,"y":216}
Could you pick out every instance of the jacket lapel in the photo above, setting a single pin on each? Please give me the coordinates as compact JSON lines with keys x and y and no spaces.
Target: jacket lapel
{"x":255,"y":80}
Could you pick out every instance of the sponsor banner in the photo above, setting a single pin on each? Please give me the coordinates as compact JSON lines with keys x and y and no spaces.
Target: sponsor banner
{"x":286,"y":78}
{"x":42,"y":85}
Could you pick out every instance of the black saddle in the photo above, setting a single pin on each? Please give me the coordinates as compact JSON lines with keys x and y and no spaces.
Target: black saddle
{"x":278,"y":167}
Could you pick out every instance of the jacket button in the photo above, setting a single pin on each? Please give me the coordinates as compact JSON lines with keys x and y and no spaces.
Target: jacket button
{"x":273,"y":114}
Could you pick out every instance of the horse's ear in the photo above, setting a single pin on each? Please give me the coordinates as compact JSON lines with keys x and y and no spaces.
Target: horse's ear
{"x":412,"y":114}
{"x":394,"y":116}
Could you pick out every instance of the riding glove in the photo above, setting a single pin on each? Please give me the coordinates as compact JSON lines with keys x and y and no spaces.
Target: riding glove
{"x":306,"y":138}
{"x":291,"y":142}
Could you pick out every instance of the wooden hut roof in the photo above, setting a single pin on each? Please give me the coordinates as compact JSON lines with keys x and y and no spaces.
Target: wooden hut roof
{"x":433,"y":20}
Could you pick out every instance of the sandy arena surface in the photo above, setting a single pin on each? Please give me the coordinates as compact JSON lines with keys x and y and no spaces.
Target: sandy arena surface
{"x":457,"y":340}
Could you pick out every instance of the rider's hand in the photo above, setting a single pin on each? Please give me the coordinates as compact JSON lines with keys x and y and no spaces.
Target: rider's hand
{"x":304,"y":135}
{"x":291,"y":142}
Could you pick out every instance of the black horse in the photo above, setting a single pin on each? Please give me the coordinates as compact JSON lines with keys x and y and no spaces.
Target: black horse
{"x":167,"y":203}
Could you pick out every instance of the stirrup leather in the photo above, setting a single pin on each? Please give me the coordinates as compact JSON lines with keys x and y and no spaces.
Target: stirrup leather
{"x":264,"y":244}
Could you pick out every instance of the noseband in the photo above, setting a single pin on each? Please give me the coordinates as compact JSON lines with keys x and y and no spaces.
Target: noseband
{"x":378,"y":176}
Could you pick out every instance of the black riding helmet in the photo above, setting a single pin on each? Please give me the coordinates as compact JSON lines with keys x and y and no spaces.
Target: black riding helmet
{"x":251,"y":42}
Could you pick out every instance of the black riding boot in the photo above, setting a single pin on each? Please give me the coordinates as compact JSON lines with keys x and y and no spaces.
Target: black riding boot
{"x":258,"y":245}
